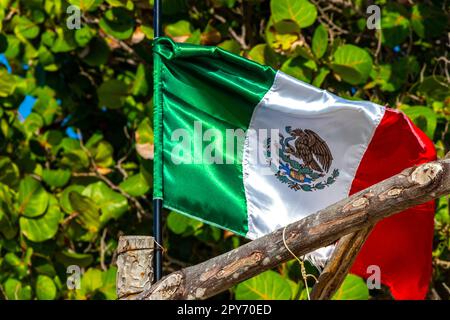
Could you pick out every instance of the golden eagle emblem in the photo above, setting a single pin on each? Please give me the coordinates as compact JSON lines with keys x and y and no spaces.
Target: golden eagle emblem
{"x":311,"y":148}
{"x":304,"y":160}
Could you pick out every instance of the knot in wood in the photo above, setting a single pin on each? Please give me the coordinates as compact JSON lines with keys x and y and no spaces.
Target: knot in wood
{"x":390,"y":194}
{"x":426,"y":173}
{"x":253,"y":259}
{"x":356,"y":204}
{"x":394,"y":192}
{"x":167,"y":287}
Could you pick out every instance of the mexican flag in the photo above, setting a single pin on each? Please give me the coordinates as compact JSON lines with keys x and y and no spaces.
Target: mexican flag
{"x":250,"y":149}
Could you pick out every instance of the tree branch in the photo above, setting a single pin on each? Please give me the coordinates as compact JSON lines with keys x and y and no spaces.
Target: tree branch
{"x":413,"y":186}
{"x":339,"y":264}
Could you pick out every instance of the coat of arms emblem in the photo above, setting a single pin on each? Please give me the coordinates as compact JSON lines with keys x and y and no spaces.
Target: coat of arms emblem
{"x":304,"y":160}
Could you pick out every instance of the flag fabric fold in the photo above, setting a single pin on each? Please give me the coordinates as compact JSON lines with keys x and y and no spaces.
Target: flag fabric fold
{"x":250,"y":149}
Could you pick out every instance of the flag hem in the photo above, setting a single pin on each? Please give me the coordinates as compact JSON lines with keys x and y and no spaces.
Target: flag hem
{"x":203,"y":220}
{"x":157,"y":126}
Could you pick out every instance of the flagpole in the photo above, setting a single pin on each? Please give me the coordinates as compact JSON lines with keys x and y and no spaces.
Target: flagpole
{"x":157,"y":203}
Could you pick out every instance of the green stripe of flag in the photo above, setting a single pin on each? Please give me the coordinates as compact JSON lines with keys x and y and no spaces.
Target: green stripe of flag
{"x":208,"y":87}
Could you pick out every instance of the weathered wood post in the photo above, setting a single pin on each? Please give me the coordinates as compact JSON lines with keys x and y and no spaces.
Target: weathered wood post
{"x":135,"y":266}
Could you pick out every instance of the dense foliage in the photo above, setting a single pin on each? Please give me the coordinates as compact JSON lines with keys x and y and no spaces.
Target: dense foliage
{"x":76,"y":171}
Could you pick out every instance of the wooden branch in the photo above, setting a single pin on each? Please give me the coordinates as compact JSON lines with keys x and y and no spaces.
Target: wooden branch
{"x":413,"y":186}
{"x":339,"y":264}
{"x":135,"y":265}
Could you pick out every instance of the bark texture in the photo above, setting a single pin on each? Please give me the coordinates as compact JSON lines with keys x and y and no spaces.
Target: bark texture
{"x":362,"y":210}
{"x":135,"y":265}
{"x":339,"y":264}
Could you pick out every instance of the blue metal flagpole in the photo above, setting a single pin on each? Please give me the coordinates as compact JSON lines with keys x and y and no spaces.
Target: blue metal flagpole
{"x":157,"y":203}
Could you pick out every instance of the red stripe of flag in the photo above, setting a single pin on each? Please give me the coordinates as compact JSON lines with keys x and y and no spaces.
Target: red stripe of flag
{"x":400,"y":245}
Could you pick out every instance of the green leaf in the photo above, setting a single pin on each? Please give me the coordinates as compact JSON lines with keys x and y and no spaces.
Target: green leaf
{"x":25,"y":28}
{"x":145,"y":132}
{"x":145,"y":140}
{"x":135,"y":185}
{"x":68,"y":258}
{"x":73,"y":156}
{"x":85,"y":5}
{"x":48,"y":38}
{"x":84,"y":35}
{"x":33,"y":199}
{"x":295,"y":287}
{"x":112,"y":93}
{"x":300,"y":11}
{"x":391,"y":77}
{"x":112,"y":204}
{"x":47,"y":106}
{"x":91,"y":281}
{"x":148,"y":31}
{"x":424,"y":117}
{"x":142,"y":81}
{"x":320,"y":41}
{"x":56,"y":178}
{"x":181,"y":224}
{"x":14,"y":47}
{"x":93,"y":141}
{"x":352,"y":64}
{"x":7,"y":83}
{"x":231,"y":46}
{"x":428,"y":21}
{"x":15,"y":290}
{"x":286,"y":27}
{"x":442,"y":212}
{"x":269,"y":285}
{"x":14,"y":262}
{"x":320,"y":77}
{"x":121,"y":3}
{"x":44,"y":227}
{"x":433,"y":88}
{"x":118,"y":23}
{"x":88,"y":214}
{"x":103,"y":154}
{"x":298,"y":68}
{"x":64,"y":200}
{"x":8,"y":215}
{"x":284,"y":44}
{"x":43,"y":266}
{"x":45,"y":288}
{"x":6,"y":202}
{"x":30,"y":51}
{"x":108,"y":288}
{"x":98,"y":53}
{"x":353,"y":288}
{"x":304,"y":294}
{"x":257,"y":53}
{"x":394,"y":28}
{"x":180,"y":31}
{"x":33,"y":123}
{"x":9,"y":172}
{"x":47,"y":59}
{"x":38,"y":16}
{"x":65,"y":40}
